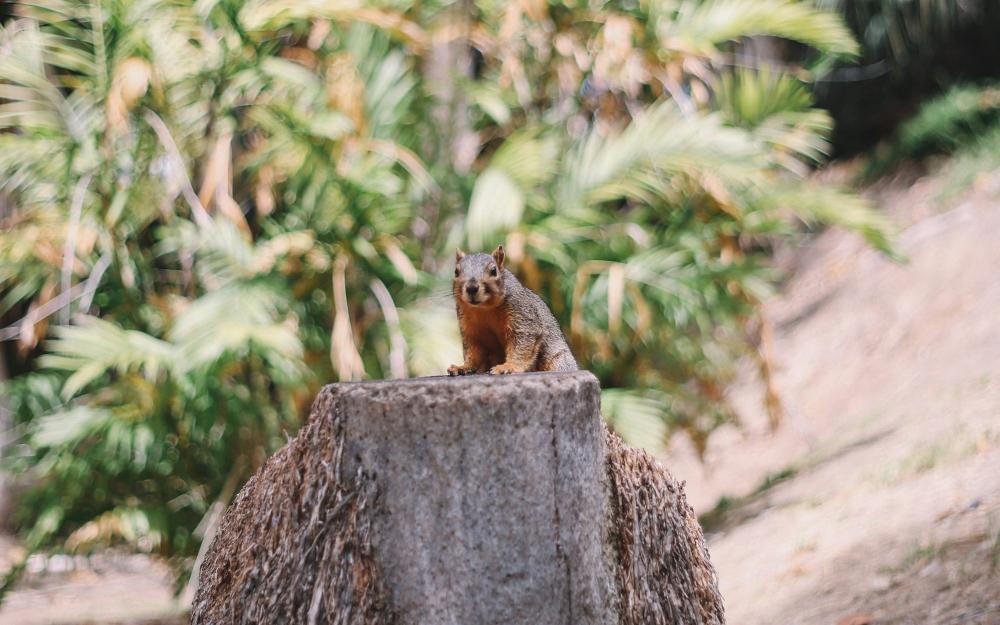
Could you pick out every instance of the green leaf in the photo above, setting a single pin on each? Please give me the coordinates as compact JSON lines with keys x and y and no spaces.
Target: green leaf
{"x":95,"y":346}
{"x":67,"y":427}
{"x":700,"y":26}
{"x":819,"y":204}
{"x":496,"y":206}
{"x":230,"y":321}
{"x":489,"y":98}
{"x":637,"y":162}
{"x":639,"y":418}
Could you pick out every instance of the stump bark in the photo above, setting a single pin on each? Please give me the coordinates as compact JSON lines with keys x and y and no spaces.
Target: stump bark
{"x":474,"y":500}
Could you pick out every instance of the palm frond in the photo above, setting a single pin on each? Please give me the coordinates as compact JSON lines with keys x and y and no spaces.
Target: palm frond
{"x":799,"y":140}
{"x":31,"y":168}
{"x":524,"y":161}
{"x":496,"y":205}
{"x":638,"y":417}
{"x":777,"y":109}
{"x":224,"y":255}
{"x":637,"y":162}
{"x":700,"y":27}
{"x":68,"y":427}
{"x":33,"y":102}
{"x":389,"y":83}
{"x":265,"y":16}
{"x":748,"y":97}
{"x":819,"y":204}
{"x":95,"y":346}
{"x":232,"y":320}
{"x":432,"y":339}
{"x":945,"y":122}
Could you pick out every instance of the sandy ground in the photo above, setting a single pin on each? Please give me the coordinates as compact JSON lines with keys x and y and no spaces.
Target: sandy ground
{"x":110,"y":588}
{"x":889,"y":507}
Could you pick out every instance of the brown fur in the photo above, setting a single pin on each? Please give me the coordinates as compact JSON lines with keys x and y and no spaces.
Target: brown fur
{"x":505,"y":327}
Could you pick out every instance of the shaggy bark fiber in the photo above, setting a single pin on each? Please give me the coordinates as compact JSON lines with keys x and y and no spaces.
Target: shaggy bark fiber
{"x":295,"y":544}
{"x":663,"y":572}
{"x":475,"y":500}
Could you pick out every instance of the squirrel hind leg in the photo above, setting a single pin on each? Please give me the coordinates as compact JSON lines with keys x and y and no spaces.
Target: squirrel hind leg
{"x":563,"y":361}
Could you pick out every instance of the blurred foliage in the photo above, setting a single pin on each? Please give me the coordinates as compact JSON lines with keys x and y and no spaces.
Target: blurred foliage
{"x":972,"y":165}
{"x":910,"y":50}
{"x":211,"y":208}
{"x":949,"y":121}
{"x":901,"y":30}
{"x":960,"y":117}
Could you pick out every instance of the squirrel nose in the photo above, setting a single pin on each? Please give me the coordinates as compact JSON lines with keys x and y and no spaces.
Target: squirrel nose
{"x":472,"y":289}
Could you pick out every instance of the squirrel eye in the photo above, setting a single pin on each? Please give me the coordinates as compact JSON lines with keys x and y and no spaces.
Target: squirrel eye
{"x":493,"y":271}
{"x":456,"y":272}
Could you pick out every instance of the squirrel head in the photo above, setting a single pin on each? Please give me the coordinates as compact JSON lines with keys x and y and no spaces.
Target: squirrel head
{"x":479,"y":278}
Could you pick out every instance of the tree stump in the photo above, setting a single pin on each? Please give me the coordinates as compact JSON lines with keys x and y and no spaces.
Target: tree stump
{"x":464,"y":501}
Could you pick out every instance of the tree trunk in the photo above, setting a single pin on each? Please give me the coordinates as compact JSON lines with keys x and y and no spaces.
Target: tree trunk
{"x":464,"y":501}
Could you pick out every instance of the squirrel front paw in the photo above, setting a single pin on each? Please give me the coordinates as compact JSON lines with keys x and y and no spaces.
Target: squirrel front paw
{"x":505,"y":368}
{"x":460,"y":370}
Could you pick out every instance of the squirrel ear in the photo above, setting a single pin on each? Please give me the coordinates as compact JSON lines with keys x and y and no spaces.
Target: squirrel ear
{"x":459,"y":254}
{"x":498,"y":256}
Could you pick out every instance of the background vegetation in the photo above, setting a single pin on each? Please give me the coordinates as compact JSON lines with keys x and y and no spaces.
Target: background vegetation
{"x":210,"y":209}
{"x":910,"y":51}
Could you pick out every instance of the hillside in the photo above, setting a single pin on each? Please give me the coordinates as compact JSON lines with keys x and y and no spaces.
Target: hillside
{"x":878,"y":500}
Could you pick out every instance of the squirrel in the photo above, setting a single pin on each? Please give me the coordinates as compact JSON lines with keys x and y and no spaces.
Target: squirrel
{"x":505,"y":327}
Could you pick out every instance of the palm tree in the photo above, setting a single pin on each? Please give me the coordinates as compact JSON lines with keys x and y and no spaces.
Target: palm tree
{"x":176,"y":173}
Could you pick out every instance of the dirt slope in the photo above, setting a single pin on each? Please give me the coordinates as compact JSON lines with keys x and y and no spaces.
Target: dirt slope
{"x":879,"y":498}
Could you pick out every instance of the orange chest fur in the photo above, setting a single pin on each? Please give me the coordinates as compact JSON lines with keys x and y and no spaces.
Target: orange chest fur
{"x":485,"y":327}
